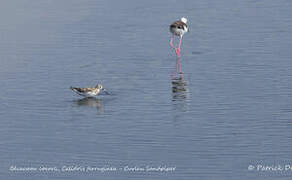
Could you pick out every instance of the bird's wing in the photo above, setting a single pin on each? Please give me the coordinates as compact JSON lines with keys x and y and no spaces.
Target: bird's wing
{"x":178,"y":24}
{"x":81,"y":90}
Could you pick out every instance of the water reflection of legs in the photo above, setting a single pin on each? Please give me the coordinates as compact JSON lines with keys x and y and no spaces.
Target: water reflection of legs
{"x":179,"y":95}
{"x":179,"y":88}
{"x":177,"y":67}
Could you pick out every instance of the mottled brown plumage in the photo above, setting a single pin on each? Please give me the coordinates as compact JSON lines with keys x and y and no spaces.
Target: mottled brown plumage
{"x":89,"y":91}
{"x":83,"y":90}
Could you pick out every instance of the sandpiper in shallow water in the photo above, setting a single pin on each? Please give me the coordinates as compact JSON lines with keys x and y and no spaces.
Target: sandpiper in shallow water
{"x":89,"y":91}
{"x":178,"y":28}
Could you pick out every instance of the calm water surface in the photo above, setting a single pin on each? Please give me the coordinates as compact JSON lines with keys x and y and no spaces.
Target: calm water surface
{"x":231,"y":109}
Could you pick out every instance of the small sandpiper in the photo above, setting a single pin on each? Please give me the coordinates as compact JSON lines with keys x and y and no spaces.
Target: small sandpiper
{"x":178,"y":28}
{"x":89,"y":91}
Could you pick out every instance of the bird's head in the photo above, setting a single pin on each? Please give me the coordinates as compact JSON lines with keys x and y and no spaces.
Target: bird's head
{"x":184,"y":20}
{"x":99,"y":86}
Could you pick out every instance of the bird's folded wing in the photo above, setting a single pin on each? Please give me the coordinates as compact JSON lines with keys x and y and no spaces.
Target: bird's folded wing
{"x":83,"y":90}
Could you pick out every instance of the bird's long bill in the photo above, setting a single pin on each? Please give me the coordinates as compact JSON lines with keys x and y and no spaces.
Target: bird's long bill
{"x":105,"y":91}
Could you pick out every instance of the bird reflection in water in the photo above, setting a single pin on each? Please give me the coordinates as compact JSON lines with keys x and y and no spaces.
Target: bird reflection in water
{"x":179,"y":85}
{"x":91,"y":102}
{"x":179,"y":88}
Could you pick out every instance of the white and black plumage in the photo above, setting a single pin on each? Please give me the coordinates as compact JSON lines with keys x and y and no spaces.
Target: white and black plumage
{"x":89,"y":91}
{"x":178,"y":28}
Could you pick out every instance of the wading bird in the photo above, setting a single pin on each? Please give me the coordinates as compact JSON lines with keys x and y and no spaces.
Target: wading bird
{"x":89,"y":91}
{"x":178,"y":28}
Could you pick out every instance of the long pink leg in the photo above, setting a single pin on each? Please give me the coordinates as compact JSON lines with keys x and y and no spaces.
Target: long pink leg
{"x":179,"y":65}
{"x":178,"y":50}
{"x":179,"y":68}
{"x":171,"y":43}
{"x":175,"y":70}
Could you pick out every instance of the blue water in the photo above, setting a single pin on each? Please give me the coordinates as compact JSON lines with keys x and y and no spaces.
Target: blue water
{"x":231,"y":108}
